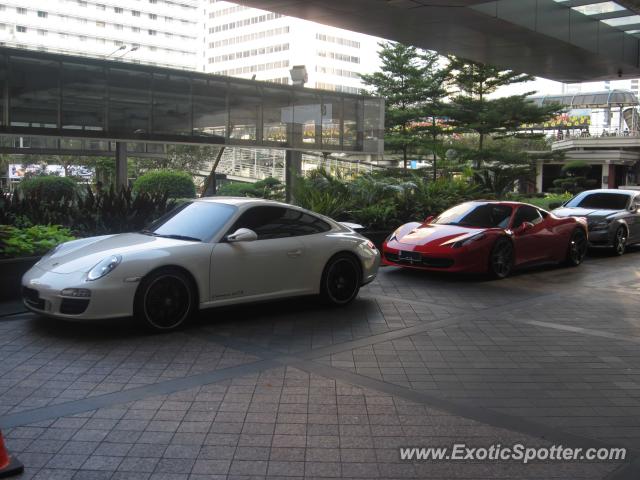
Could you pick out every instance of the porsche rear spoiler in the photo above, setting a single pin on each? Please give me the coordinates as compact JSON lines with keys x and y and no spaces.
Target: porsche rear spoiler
{"x":352,"y":226}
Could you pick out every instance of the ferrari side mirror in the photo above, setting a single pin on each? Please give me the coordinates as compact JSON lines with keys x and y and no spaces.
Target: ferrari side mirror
{"x":524,"y":227}
{"x":429,"y":218}
{"x":242,"y":235}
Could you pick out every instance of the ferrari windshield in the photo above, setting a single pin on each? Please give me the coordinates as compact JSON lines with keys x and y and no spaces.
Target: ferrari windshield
{"x":195,"y":221}
{"x":600,"y":201}
{"x":476,"y":215}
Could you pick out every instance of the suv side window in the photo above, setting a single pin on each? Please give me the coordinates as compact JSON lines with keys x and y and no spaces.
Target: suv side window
{"x":527,"y":214}
{"x":279,"y":222}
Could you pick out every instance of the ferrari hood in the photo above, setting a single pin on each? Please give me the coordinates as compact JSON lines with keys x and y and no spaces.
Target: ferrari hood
{"x":433,"y":234}
{"x":583,"y":212}
{"x":82,"y":255}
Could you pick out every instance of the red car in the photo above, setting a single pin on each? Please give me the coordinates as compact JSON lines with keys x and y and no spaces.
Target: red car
{"x":487,"y":237}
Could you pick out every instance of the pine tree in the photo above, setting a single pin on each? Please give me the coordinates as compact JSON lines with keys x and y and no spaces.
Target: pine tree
{"x":412,"y":82}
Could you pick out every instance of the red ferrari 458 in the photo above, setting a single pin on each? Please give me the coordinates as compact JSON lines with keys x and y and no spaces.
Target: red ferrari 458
{"x":487,"y":237}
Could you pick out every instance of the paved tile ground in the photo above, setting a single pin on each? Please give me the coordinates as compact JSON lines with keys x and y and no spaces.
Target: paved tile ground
{"x":295,"y":390}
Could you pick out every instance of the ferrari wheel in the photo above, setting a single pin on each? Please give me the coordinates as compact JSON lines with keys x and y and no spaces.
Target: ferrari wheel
{"x":578,"y":246}
{"x":501,"y":259}
{"x":340,"y":280}
{"x":620,"y":241}
{"x":165,"y":300}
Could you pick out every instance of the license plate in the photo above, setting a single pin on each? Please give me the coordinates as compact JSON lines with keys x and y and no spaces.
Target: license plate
{"x":410,"y":256}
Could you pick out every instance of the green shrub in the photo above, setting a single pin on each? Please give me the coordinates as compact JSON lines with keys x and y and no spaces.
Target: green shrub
{"x":269,"y":188}
{"x":549,"y":201}
{"x":32,"y":241}
{"x":173,"y":184}
{"x":49,"y":188}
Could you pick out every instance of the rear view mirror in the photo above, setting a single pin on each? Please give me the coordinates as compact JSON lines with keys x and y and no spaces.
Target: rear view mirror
{"x":429,"y":218}
{"x":242,"y":235}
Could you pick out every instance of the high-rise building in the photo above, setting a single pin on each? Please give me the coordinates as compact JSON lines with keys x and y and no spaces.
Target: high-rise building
{"x":158,"y":32}
{"x":250,"y":43}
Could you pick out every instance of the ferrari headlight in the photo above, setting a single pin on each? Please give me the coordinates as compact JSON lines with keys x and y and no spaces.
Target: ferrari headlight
{"x":104,"y":267}
{"x":394,"y":235}
{"x":468,"y":240}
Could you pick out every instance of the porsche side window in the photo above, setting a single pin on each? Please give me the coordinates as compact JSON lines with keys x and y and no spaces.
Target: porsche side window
{"x":527,"y":214}
{"x":279,"y":222}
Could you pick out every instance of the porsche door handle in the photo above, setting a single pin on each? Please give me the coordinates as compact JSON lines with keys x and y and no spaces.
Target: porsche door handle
{"x":294,"y":253}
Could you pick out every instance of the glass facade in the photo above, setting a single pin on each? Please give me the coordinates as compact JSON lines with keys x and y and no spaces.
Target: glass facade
{"x":54,"y":95}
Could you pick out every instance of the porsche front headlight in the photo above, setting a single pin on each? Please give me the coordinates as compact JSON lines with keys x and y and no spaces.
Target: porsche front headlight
{"x":104,"y":267}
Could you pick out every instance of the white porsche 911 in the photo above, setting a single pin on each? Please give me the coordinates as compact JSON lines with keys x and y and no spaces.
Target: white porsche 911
{"x":205,"y":253}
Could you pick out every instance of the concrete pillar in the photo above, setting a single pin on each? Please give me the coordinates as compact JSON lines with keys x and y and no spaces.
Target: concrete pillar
{"x":539,"y":168}
{"x":122,"y":174}
{"x":293,"y":169}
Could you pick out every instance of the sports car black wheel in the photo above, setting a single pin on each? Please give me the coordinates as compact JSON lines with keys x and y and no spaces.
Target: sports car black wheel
{"x":578,"y":246}
{"x":165,"y":300}
{"x":501,"y":259}
{"x":620,"y":241}
{"x":340,"y":280}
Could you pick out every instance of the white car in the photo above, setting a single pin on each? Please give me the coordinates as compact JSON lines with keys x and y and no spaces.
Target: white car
{"x":205,"y":253}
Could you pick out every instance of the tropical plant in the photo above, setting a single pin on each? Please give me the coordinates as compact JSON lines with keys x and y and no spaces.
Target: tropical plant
{"x":574,"y":178}
{"x":174,"y":184}
{"x":31,"y":241}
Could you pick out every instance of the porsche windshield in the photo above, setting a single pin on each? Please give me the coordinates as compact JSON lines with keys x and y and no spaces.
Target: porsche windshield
{"x":196,"y":221}
{"x":477,"y":215}
{"x":600,"y":201}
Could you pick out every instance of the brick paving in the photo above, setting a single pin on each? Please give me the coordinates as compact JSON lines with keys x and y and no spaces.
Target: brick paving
{"x":295,"y":390}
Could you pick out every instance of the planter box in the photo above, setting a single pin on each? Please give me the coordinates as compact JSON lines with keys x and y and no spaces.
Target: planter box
{"x":11,"y":271}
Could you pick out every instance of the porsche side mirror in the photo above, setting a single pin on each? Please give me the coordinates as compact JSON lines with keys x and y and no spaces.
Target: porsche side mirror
{"x":524,"y":227}
{"x":429,"y":218}
{"x":633,"y":209}
{"x":242,"y":235}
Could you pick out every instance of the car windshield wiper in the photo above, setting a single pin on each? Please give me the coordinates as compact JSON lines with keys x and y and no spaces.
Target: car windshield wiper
{"x":176,"y":237}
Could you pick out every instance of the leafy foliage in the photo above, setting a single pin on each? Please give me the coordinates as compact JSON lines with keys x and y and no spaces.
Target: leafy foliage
{"x":49,"y":188}
{"x":174,"y":184}
{"x":89,"y":213}
{"x":269,"y":188}
{"x":31,"y":241}
{"x":381,"y":200}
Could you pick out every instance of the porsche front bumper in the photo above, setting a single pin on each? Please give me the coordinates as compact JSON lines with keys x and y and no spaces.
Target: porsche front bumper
{"x":111,"y":297}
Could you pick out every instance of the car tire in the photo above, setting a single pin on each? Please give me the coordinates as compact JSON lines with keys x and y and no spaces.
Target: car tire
{"x":341,"y":280}
{"x":501,"y":258}
{"x":165,"y":300}
{"x":577,"y":248}
{"x":620,"y":241}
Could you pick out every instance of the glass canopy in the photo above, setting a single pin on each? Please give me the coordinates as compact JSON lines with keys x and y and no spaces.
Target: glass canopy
{"x":608,"y":12}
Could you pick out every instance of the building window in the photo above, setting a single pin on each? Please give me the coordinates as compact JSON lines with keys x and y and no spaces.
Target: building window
{"x":135,"y":29}
{"x":117,"y":10}
{"x":168,"y":19}
{"x":21,"y":29}
{"x":42,"y":33}
{"x":153,"y":1}
{"x":118,"y":27}
{"x":100,"y":24}
{"x":82,"y":3}
{"x":42,"y":14}
{"x":21,"y":11}
{"x":135,"y":13}
{"x":152,"y":32}
{"x":101,"y":7}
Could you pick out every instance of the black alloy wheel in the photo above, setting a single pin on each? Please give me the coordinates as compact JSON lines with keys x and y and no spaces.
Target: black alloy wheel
{"x":501,"y":259}
{"x":620,"y":241}
{"x":165,"y":300}
{"x":341,"y":280}
{"x":578,"y":246}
